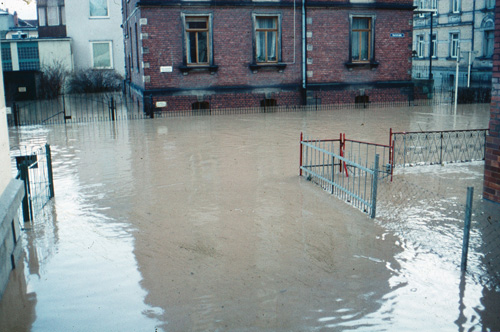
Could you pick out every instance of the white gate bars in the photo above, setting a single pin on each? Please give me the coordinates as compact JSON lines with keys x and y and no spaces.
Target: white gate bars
{"x":349,"y":181}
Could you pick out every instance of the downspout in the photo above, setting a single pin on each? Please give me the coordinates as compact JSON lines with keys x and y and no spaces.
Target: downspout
{"x":473,"y":24}
{"x":304,"y":68}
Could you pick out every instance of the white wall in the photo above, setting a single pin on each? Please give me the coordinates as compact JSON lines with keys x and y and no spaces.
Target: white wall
{"x":83,"y":29}
{"x":55,"y":50}
{"x":5,"y":172}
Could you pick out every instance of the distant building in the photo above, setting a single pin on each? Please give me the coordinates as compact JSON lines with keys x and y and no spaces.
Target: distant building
{"x":250,"y":53}
{"x":97,"y":37}
{"x":458,"y":26}
{"x":25,"y":53}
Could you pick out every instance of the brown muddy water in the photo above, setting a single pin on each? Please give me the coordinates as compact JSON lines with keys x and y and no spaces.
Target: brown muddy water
{"x":203,"y":224}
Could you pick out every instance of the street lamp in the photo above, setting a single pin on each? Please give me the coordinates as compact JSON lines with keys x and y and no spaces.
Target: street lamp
{"x":432,"y":12}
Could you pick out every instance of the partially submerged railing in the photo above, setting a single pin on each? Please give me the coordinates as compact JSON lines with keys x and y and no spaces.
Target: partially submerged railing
{"x":34,"y":165}
{"x":437,"y":147}
{"x":364,"y":153}
{"x":352,"y":182}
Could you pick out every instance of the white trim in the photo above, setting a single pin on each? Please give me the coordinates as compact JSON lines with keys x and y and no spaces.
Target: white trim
{"x":110,"y":44}
{"x":99,"y":17}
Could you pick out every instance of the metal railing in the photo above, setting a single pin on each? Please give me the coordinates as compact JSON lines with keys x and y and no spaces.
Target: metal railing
{"x":34,"y":165}
{"x":115,"y":106}
{"x":437,"y":147}
{"x":364,"y":153}
{"x":349,"y":181}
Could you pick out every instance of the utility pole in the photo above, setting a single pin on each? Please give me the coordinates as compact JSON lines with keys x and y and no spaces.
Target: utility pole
{"x":456,"y":78}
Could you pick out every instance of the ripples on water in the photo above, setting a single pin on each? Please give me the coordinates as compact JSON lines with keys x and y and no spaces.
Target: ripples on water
{"x":202,"y":224}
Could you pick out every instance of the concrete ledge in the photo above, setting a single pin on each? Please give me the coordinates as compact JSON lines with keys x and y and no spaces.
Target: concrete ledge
{"x":10,"y":233}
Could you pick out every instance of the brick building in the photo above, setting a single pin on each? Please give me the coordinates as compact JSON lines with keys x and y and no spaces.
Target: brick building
{"x":492,"y":164}
{"x":250,"y":53}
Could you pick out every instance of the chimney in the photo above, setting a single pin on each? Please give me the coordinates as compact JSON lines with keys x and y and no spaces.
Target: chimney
{"x":16,"y":20}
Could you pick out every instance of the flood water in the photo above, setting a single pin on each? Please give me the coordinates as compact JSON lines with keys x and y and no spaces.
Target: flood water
{"x":203,"y":224}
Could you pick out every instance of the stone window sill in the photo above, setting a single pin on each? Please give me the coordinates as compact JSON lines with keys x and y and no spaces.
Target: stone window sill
{"x":254,"y":67}
{"x":210,"y":68}
{"x":362,"y":65}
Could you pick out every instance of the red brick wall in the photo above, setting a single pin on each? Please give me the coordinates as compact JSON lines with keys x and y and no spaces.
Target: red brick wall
{"x":235,"y":85}
{"x":330,"y":42}
{"x":233,"y":51}
{"x":492,"y":164}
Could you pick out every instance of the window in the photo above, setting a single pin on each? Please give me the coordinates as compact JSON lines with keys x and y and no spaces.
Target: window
{"x":52,"y":15}
{"x":434,"y":45}
{"x":455,"y":7}
{"x":42,"y":20}
{"x":200,"y":105}
{"x":490,"y":4}
{"x":421,"y":5}
{"x":420,"y":46}
{"x":131,"y":56}
{"x":434,"y":6}
{"x":6,"y":57}
{"x":454,"y":43}
{"x":98,"y":8}
{"x":28,"y":56}
{"x":101,"y":55}
{"x":137,"y":60}
{"x":197,"y":40}
{"x":489,"y":43}
{"x":266,"y":39}
{"x":361,"y":39}
{"x":268,"y":102}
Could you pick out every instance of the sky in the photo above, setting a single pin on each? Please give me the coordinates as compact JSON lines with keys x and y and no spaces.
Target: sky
{"x":24,"y":10}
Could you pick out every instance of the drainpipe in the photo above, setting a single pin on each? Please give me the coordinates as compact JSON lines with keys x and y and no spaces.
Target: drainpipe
{"x":304,"y":67}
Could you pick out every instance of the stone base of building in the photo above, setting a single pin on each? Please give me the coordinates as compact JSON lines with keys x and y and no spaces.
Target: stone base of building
{"x":325,"y":94}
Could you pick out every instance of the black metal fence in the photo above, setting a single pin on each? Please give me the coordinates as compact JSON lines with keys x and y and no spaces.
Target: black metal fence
{"x":115,"y":106}
{"x":34,"y":165}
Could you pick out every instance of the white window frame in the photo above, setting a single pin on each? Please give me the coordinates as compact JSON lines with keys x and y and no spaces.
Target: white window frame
{"x":110,"y":44}
{"x":421,"y":5}
{"x":42,"y":16}
{"x":95,"y":16}
{"x":456,"y":6}
{"x":57,"y":16}
{"x":454,"y":43}
{"x":421,"y":46}
{"x":434,"y":6}
{"x":434,"y":45}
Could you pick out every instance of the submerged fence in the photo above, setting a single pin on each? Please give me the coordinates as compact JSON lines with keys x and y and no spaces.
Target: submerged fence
{"x":438,"y":147}
{"x":115,"y":106}
{"x":352,"y":182}
{"x":34,"y":165}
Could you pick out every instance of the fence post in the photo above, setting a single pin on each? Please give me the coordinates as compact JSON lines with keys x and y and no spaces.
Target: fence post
{"x":64,"y":108}
{"x":391,"y":152}
{"x":441,"y":151}
{"x":374,"y":187}
{"x":112,"y":108}
{"x":300,"y":160}
{"x":49,"y":169}
{"x":15,"y":113}
{"x":23,"y":167}
{"x":468,"y":217}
